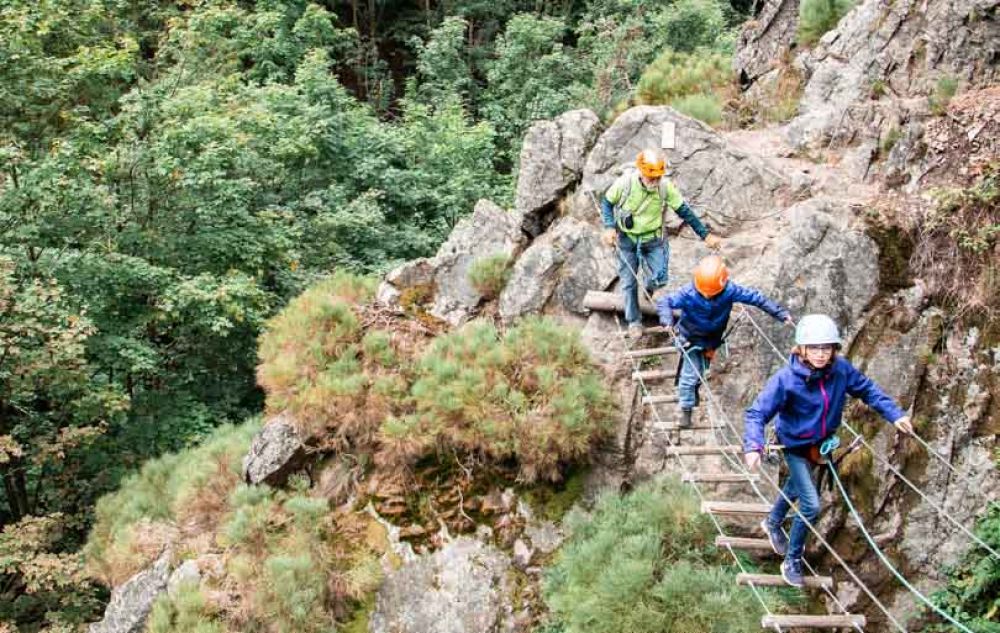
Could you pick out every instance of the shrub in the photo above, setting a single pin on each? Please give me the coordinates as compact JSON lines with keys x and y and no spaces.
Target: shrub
{"x":706,"y":108}
{"x":816,"y":17}
{"x":489,"y":275}
{"x":313,"y":360}
{"x":192,"y":484}
{"x":643,"y":563}
{"x":690,"y":24}
{"x":674,"y":75}
{"x":532,"y":395}
{"x":973,"y":592}
{"x":953,"y":241}
{"x":185,"y":611}
{"x":944,"y":90}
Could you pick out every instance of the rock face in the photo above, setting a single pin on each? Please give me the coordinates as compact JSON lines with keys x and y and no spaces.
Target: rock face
{"x":131,"y":602}
{"x":275,"y":453}
{"x":552,"y":158}
{"x":488,"y":231}
{"x":558,"y":269}
{"x":906,"y":47}
{"x":765,"y":39}
{"x":460,"y":588}
{"x":723,"y":184}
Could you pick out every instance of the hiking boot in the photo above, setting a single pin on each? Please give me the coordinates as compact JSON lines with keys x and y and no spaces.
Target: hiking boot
{"x":777,"y":538}
{"x":634,"y":330}
{"x":686,"y":418}
{"x":791,"y":571}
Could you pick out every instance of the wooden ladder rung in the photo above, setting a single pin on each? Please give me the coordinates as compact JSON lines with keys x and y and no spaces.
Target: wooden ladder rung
{"x":719,"y":477}
{"x":653,"y":374}
{"x":651,"y":351}
{"x":740,"y":542}
{"x":735,"y":507}
{"x":775,"y":580}
{"x":847,"y":621}
{"x":702,"y":450}
{"x":658,"y":399}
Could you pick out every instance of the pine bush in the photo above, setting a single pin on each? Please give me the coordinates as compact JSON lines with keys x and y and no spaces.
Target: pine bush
{"x":164,"y":490}
{"x":489,"y":275}
{"x":644,"y":563}
{"x":531,"y":395}
{"x":704,"y":107}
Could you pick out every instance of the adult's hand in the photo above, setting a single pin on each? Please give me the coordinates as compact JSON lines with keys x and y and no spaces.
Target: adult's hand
{"x":789,"y":320}
{"x":713,"y":241}
{"x":609,"y":237}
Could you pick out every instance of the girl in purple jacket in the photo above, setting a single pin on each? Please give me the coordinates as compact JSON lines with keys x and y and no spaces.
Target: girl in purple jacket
{"x":807,"y":395}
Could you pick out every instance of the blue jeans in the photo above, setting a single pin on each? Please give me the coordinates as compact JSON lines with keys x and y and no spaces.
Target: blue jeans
{"x":652,"y":255}
{"x":801,"y":487}
{"x":693,"y":370}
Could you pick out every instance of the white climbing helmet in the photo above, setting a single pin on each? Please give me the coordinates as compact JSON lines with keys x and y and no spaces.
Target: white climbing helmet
{"x":816,"y":329}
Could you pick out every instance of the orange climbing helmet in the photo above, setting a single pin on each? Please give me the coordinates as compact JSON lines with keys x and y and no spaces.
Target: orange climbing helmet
{"x":651,"y":163}
{"x":710,"y":276}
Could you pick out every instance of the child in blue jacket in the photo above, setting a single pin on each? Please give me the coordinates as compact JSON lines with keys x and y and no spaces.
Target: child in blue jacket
{"x":705,"y":306}
{"x":807,"y":396}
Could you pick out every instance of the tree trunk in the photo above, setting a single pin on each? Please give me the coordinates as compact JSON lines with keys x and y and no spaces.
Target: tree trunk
{"x":15,"y":488}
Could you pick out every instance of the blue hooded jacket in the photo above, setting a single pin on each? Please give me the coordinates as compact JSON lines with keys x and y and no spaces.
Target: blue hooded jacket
{"x":703,"y":321}
{"x":810,"y":402}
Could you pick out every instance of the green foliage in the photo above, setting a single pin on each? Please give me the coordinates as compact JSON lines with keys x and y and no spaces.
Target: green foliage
{"x":312,"y":359}
{"x":816,"y":17}
{"x":891,"y":138}
{"x":489,"y":275}
{"x":51,"y":408}
{"x":39,"y":577}
{"x":972,"y":595}
{"x":531,"y":395}
{"x":185,"y":611}
{"x":693,"y":83}
{"x":962,"y":227}
{"x":944,"y":90}
{"x":530,"y":78}
{"x":705,"y":108}
{"x":689,"y":25}
{"x":643,"y":563}
{"x":174,"y":486}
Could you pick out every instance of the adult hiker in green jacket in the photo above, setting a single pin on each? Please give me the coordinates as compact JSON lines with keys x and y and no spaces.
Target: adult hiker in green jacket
{"x":632,"y":211}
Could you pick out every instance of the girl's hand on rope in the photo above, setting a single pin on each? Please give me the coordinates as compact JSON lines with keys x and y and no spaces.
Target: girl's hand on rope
{"x":752,"y":460}
{"x":904,"y":425}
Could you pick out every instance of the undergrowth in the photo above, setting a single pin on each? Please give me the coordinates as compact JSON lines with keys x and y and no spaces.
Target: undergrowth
{"x":697,"y":83}
{"x":180,"y":492}
{"x":489,"y":275}
{"x":645,"y":563}
{"x":816,"y":17}
{"x":957,"y":248}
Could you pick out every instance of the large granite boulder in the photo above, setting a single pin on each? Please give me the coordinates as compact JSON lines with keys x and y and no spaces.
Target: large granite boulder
{"x":489,"y":231}
{"x":132,"y":601}
{"x":904,"y":46}
{"x":461,"y":588}
{"x":275,"y":453}
{"x":552,"y":158}
{"x":557,"y":270}
{"x":725,"y":185}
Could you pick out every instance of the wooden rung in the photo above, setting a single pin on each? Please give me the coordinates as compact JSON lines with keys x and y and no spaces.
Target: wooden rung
{"x":651,"y":351}
{"x":739,"y":542}
{"x":719,"y":477}
{"x":734,"y":507}
{"x":653,"y":374}
{"x":613,"y":302}
{"x":775,"y":580}
{"x":656,"y":329}
{"x":658,"y":399}
{"x":848,"y":621}
{"x":702,"y":450}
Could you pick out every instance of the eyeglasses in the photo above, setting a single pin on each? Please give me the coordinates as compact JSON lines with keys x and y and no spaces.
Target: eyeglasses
{"x":820,"y":348}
